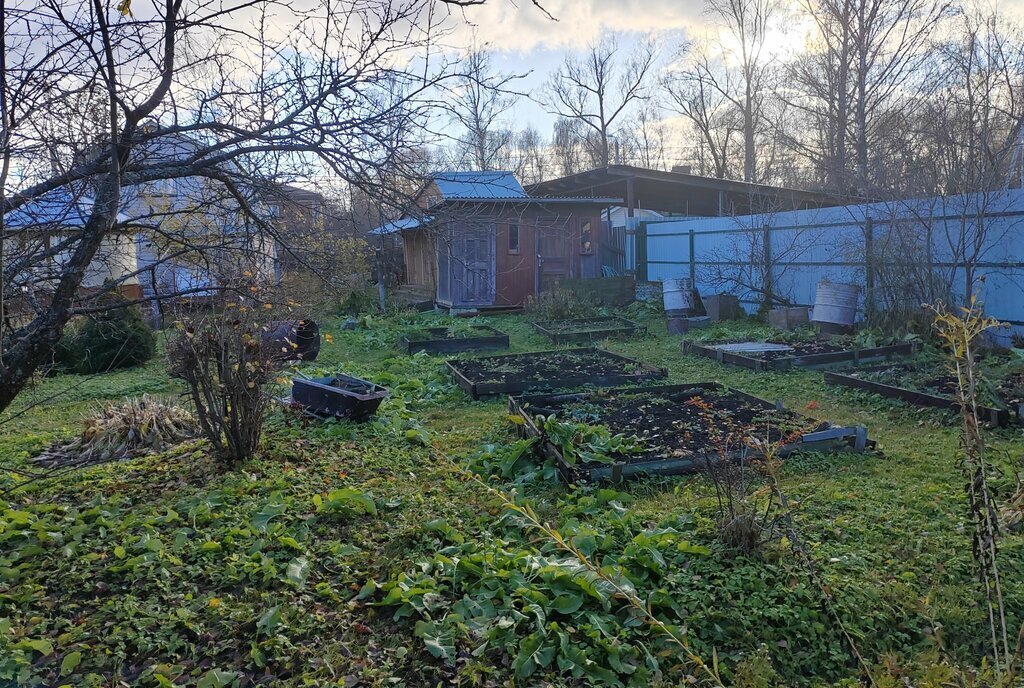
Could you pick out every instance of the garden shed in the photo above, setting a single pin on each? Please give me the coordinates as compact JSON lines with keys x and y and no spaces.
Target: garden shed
{"x":478,"y":240}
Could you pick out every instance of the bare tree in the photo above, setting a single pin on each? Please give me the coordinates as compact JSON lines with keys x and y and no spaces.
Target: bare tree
{"x":481,"y":99}
{"x":569,"y":146}
{"x":530,"y":160}
{"x":645,"y":137}
{"x":698,"y":91}
{"x":344,"y":87}
{"x":599,"y":87}
{"x":862,"y":67}
{"x":743,"y":34}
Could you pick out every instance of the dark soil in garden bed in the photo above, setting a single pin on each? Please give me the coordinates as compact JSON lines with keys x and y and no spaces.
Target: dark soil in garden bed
{"x":545,"y":366}
{"x":1011,"y":389}
{"x":696,"y":421}
{"x":587,"y":329}
{"x":572,"y":368}
{"x":1000,"y":396}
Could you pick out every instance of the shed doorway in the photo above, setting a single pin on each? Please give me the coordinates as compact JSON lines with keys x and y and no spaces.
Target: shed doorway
{"x":554,"y":256}
{"x":473,"y":269}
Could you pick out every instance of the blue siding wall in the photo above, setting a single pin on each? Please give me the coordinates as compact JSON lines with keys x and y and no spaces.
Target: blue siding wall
{"x":922,"y":241}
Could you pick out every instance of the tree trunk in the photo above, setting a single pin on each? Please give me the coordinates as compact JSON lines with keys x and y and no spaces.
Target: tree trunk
{"x":29,"y":347}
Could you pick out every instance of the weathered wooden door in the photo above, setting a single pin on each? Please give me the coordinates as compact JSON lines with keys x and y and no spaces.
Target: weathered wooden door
{"x":474,"y":268}
{"x":554,"y":253}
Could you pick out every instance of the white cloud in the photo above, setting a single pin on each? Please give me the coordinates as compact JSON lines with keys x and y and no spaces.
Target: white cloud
{"x":521,"y":27}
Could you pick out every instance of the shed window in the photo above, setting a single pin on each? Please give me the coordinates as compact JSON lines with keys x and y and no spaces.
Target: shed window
{"x":513,"y":237}
{"x":586,"y":239}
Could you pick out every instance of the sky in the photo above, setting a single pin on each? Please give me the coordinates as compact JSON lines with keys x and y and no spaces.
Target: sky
{"x":525,"y":41}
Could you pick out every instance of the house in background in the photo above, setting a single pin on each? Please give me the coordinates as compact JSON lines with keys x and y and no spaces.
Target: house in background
{"x":478,"y":240}
{"x":192,"y":237}
{"x":38,"y":228}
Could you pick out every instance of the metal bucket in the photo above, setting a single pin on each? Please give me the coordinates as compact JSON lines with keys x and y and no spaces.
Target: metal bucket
{"x":836,"y":303}
{"x":678,"y":297}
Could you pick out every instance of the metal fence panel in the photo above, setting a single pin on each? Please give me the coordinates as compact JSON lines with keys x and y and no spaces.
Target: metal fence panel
{"x":913,"y":245}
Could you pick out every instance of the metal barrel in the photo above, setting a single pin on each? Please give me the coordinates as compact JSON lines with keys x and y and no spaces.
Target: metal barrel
{"x":293,"y":340}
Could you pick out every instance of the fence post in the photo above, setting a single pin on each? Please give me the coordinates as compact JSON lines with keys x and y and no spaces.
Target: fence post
{"x":693,"y":261}
{"x":640,"y":250}
{"x":869,"y":268}
{"x":768,"y":286}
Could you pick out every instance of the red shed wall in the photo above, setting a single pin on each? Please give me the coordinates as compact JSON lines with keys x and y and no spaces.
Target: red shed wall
{"x":556,"y":237}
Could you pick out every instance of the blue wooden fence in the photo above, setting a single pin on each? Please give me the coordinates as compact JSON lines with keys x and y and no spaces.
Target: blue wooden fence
{"x":900,"y":253}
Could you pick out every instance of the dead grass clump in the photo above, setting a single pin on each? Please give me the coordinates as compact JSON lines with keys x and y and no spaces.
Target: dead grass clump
{"x":122,"y":431}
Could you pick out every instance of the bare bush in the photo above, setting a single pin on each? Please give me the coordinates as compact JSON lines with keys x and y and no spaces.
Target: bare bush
{"x":225,"y":363}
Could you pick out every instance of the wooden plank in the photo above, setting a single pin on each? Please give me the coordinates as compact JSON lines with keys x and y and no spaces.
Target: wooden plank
{"x":996,"y":417}
{"x":489,"y":338}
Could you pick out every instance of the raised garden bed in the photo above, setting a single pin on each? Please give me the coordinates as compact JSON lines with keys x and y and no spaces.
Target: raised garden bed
{"x":677,"y":428}
{"x":447,"y":340}
{"x":572,"y":368}
{"x":797,"y":354}
{"x":337,"y":396}
{"x":927,"y":388}
{"x":587,"y":329}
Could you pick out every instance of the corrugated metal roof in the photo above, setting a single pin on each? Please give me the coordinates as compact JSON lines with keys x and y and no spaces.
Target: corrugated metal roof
{"x":57,"y":208}
{"x":478,"y":185}
{"x":400,"y":224}
{"x":603,"y":200}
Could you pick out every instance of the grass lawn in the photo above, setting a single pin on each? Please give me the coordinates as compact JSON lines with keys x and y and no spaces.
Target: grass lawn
{"x":363,"y":554}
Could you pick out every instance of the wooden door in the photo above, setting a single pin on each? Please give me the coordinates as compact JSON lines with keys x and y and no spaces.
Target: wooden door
{"x":554,"y":255}
{"x":474,"y":269}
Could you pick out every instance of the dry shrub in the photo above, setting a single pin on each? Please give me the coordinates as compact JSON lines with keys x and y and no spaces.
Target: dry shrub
{"x":121,"y":431}
{"x":225,"y":364}
{"x":562,"y":303}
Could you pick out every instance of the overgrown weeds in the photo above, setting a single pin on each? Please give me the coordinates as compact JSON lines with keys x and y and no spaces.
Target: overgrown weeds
{"x":961,"y":332}
{"x":562,"y":303}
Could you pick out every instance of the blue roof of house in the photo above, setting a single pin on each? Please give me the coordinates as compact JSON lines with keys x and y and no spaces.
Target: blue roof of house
{"x":478,"y":185}
{"x":400,"y":224}
{"x":59,"y":207}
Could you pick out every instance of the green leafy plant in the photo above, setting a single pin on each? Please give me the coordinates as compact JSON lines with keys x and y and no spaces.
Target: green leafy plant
{"x":581,"y":442}
{"x":114,"y":338}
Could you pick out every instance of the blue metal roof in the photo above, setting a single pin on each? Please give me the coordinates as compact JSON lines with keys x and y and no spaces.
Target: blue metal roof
{"x":400,"y":224}
{"x":57,"y":208}
{"x":478,"y":185}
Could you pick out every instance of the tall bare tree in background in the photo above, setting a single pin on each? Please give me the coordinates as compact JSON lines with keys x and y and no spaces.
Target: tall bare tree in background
{"x":744,"y":28}
{"x":864,"y":63}
{"x":530,"y":161}
{"x":341,"y":86}
{"x":645,"y":137}
{"x":481,"y":100}
{"x":597,"y":88}
{"x":697,"y":90}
